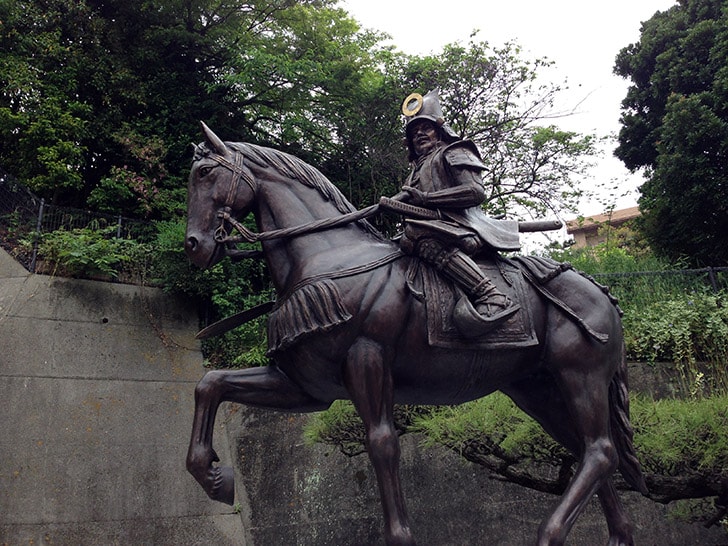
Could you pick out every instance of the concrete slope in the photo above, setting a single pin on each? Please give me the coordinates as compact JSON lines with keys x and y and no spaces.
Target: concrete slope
{"x":96,"y":387}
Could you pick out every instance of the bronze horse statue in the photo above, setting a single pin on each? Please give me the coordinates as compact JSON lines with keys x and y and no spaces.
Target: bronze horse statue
{"x":347,"y":325}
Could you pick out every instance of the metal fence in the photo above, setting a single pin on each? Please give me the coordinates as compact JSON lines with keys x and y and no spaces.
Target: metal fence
{"x":715,"y":278}
{"x":24,"y":216}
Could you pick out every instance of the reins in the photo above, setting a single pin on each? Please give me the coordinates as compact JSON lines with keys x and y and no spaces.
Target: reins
{"x":248,"y":236}
{"x":238,"y":173}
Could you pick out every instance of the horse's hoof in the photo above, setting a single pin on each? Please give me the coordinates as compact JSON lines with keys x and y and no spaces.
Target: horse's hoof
{"x":223,"y":488}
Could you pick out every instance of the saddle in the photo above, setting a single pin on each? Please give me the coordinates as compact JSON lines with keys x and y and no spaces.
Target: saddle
{"x":443,"y":300}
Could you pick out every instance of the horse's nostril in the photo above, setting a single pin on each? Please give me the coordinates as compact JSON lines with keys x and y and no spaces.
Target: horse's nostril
{"x":191,"y":244}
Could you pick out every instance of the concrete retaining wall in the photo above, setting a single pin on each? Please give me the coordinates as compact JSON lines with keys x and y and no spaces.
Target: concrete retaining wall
{"x":314,"y":495}
{"x":96,"y":387}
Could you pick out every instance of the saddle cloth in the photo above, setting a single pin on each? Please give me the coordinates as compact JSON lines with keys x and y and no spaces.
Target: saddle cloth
{"x":441,"y":295}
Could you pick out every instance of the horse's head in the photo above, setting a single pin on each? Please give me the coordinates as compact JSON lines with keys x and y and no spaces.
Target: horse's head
{"x":219,"y":183}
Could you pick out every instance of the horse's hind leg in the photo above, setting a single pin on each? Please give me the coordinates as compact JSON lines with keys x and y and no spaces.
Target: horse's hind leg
{"x":540,"y":398}
{"x":262,"y":387}
{"x":586,"y":395}
{"x":619,"y":524}
{"x":369,"y":383}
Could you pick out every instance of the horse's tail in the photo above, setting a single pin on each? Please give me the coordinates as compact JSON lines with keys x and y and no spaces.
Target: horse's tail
{"x":622,"y":432}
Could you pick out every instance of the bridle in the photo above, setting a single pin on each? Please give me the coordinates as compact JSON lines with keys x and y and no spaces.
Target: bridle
{"x":238,"y":173}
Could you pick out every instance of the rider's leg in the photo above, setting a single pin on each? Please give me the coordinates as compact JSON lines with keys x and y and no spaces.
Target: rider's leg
{"x":493,"y":306}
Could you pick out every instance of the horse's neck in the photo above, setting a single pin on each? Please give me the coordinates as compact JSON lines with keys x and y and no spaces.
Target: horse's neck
{"x":284,"y":204}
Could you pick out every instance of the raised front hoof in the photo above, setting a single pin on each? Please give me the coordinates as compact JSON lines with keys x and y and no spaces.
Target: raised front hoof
{"x":223,"y":485}
{"x":472,"y":324}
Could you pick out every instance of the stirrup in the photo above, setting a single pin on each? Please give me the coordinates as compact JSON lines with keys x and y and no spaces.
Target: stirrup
{"x":470,"y":323}
{"x":488,"y":308}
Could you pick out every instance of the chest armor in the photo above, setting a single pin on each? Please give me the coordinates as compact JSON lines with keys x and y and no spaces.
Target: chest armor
{"x":430,"y":175}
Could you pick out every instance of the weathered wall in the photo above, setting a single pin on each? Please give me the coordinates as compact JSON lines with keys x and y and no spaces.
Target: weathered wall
{"x":96,"y":386}
{"x":314,"y":495}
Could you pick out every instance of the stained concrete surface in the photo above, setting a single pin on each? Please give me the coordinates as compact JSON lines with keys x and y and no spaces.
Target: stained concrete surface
{"x":96,"y":387}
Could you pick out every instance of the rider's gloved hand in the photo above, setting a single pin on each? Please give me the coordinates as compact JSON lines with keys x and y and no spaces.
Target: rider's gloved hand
{"x":416,"y":197}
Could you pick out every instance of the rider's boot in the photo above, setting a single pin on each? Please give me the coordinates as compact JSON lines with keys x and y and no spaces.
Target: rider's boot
{"x":492,"y":306}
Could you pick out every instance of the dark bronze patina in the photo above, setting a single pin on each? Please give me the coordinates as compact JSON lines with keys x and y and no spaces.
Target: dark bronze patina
{"x":356,"y":318}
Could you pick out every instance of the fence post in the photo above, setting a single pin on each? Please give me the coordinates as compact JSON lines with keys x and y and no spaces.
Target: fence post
{"x":713,"y":280}
{"x":38,"y":226}
{"x":118,"y":228}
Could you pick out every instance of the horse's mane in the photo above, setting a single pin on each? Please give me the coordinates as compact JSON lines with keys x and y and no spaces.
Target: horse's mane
{"x":297,"y":169}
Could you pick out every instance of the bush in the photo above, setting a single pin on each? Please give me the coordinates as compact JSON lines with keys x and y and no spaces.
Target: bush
{"x":87,"y":252}
{"x":690,"y":330}
{"x":679,"y":437}
{"x":495,"y":422}
{"x":675,"y":440}
{"x":221,"y":291}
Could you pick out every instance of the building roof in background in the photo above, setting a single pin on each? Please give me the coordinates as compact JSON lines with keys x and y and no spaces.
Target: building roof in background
{"x":616,"y":218}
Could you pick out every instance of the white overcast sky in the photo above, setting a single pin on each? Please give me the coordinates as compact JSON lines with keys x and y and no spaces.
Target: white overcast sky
{"x":581,"y":37}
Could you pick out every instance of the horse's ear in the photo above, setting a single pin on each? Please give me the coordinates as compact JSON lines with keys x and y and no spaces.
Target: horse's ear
{"x":213,"y":140}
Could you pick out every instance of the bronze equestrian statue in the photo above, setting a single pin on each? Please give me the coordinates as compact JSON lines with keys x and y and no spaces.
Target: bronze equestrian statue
{"x":357,"y":318}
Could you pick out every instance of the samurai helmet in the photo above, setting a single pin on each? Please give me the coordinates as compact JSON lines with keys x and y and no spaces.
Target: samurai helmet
{"x":416,"y":108}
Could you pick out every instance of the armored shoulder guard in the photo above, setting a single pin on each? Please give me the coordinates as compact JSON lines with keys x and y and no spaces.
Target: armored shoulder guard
{"x":463,"y":153}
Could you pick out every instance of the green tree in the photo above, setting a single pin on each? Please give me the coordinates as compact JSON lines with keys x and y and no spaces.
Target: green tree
{"x":675,"y":126}
{"x":79,"y":79}
{"x":41,"y":120}
{"x":315,"y":85}
{"x":99,"y":100}
{"x":500,"y":100}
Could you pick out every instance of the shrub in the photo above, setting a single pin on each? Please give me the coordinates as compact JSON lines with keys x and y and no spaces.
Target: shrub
{"x":676,"y":440}
{"x":690,"y":330}
{"x":679,"y":437}
{"x":86,"y":252}
{"x":221,"y":291}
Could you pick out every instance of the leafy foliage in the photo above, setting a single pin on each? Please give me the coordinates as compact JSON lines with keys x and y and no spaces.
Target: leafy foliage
{"x":98,"y":102}
{"x":494,"y":421}
{"x":690,"y":330}
{"x":78,"y":80}
{"x":86,"y":252}
{"x":675,"y":125}
{"x":668,"y":317}
{"x":677,"y":437}
{"x":220,"y":291}
{"x":677,"y":441}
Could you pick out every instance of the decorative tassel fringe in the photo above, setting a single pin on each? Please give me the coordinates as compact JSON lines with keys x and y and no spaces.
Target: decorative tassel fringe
{"x":311,"y":309}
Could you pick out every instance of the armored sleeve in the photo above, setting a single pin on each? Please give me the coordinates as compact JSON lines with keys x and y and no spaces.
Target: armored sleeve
{"x":464,"y":155}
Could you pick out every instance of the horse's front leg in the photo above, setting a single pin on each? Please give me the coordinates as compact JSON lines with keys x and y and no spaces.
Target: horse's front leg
{"x":217,"y":482}
{"x":261,"y":387}
{"x":369,"y":382}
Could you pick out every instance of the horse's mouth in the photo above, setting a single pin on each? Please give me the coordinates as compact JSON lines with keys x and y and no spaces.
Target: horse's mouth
{"x":217,"y":254}
{"x":203,"y":255}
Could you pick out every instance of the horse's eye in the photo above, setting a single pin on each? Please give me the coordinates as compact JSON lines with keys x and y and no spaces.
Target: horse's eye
{"x":204,"y":171}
